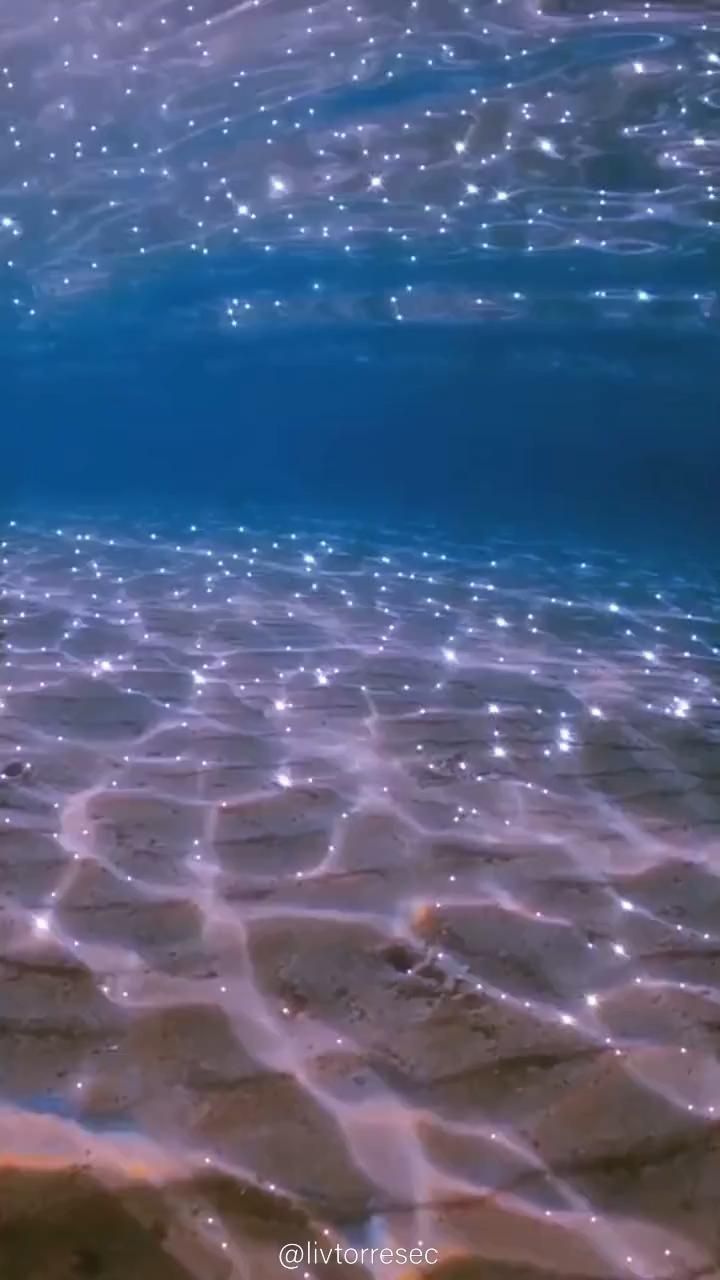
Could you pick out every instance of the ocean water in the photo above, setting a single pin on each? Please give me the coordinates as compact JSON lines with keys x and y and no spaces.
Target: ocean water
{"x":360,"y":640}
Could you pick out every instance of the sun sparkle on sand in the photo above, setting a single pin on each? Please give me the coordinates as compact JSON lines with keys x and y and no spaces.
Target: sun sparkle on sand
{"x":355,"y":886}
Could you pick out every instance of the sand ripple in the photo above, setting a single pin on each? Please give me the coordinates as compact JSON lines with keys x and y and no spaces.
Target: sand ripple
{"x":357,"y":890}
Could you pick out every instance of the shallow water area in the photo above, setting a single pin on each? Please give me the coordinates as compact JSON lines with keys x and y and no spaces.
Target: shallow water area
{"x":359,"y":723}
{"x":360,"y":888}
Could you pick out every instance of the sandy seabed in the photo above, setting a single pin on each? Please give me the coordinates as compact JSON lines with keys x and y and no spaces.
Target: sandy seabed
{"x":355,"y":890}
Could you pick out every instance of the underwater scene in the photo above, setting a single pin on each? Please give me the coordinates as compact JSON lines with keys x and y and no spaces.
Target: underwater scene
{"x":359,"y":640}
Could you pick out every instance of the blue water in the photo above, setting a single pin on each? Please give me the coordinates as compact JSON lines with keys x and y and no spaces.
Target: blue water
{"x":442,"y":262}
{"x":359,"y":636}
{"x":607,"y":437}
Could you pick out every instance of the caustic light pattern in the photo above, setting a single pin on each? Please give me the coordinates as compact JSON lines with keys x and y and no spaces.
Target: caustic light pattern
{"x":358,"y":890}
{"x":496,"y":159}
